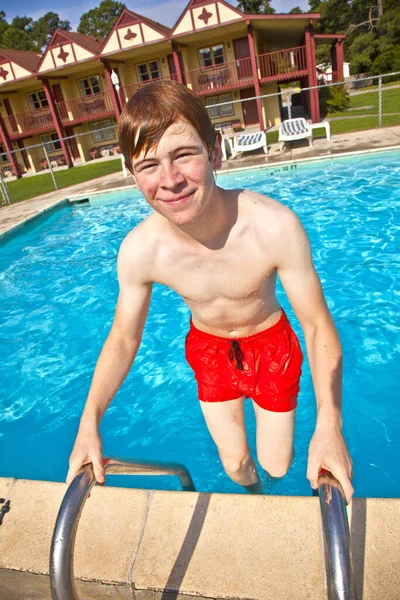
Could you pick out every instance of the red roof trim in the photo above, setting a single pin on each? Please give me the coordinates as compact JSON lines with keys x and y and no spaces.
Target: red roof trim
{"x":110,"y":54}
{"x":296,"y":16}
{"x":325,"y":36}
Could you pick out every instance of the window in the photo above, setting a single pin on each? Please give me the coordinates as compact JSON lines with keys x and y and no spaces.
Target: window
{"x":90,"y":85}
{"x":3,"y":156}
{"x":100,"y":132}
{"x":52,"y":142}
{"x":212,"y":56}
{"x":148,"y":71}
{"x":37,"y":100}
{"x":220,"y":111}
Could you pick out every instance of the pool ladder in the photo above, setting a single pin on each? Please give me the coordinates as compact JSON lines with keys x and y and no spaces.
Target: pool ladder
{"x":340,"y":581}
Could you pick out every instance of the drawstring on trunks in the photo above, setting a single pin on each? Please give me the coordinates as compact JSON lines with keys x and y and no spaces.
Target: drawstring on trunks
{"x":235,"y":353}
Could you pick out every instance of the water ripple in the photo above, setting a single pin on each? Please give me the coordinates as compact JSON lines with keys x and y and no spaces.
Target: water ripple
{"x":58,"y":290}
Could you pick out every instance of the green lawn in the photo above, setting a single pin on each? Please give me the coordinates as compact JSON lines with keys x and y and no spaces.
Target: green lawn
{"x":348,"y":125}
{"x":30,"y":187}
{"x":369,"y":100}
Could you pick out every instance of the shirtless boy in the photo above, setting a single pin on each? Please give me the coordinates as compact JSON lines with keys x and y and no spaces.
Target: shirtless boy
{"x":221,"y":250}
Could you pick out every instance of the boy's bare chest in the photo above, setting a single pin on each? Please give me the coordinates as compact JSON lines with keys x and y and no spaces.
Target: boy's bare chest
{"x":234,"y":273}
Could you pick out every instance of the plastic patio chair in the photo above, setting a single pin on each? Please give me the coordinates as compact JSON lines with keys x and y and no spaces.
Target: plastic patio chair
{"x":249,"y":141}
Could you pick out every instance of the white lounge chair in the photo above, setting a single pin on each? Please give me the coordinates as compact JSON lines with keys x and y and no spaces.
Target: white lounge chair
{"x":294,"y":129}
{"x":248,"y":141}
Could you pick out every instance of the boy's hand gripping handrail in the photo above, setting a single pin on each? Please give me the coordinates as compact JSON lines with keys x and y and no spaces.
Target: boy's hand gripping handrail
{"x":338,"y":558}
{"x":62,"y":546}
{"x":340,"y":578}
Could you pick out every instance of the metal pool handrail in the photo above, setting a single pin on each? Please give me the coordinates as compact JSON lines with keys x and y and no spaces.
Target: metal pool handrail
{"x":338,"y":558}
{"x":340,"y":578}
{"x":62,"y":546}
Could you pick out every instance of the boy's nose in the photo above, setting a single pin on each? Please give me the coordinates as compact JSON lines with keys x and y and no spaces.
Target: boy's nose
{"x":171,"y":176}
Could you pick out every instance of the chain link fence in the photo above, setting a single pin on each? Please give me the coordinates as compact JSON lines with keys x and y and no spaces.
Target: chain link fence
{"x":357,"y":104}
{"x":43,"y":167}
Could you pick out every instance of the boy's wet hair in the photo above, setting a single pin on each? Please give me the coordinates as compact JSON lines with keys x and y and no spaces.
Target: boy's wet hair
{"x":154,"y":108}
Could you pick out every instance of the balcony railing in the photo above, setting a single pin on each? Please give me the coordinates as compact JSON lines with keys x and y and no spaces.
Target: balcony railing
{"x":29,"y":123}
{"x":273,"y":66}
{"x":229,"y":75}
{"x":282,"y":64}
{"x":86,"y":108}
{"x":128,"y":90}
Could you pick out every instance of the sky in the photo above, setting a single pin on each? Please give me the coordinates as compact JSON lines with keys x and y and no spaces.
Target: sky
{"x":166,"y":12}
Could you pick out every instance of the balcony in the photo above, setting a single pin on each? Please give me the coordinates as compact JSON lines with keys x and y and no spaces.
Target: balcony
{"x":282,"y":65}
{"x":227,"y":76}
{"x":128,"y":90}
{"x":87,"y":108}
{"x":29,"y":123}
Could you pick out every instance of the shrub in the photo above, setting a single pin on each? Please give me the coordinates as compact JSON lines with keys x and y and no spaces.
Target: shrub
{"x":338,"y":99}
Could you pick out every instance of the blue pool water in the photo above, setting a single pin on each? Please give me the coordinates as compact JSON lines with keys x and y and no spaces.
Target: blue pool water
{"x":58,"y":291}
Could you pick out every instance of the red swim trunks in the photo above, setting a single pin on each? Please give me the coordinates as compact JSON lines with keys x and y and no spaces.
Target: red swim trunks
{"x":265,"y":366}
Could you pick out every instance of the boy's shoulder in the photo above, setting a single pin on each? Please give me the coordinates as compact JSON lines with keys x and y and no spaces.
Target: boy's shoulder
{"x":267,"y":212}
{"x":139,"y":247}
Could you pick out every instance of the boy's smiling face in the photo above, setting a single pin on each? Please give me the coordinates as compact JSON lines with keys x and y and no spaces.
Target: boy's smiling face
{"x":177,"y":177}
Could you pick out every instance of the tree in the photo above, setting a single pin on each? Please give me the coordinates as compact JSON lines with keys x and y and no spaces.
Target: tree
{"x":336,"y":15}
{"x":3,"y":26}
{"x":314,"y":5}
{"x":23,"y":23}
{"x":43,"y":29}
{"x":254,"y":7}
{"x":98,"y":21}
{"x":362,"y":52}
{"x":17,"y":39}
{"x":296,"y":10}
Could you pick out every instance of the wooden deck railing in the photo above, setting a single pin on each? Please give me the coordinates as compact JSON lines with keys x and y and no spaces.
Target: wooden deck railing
{"x":30,"y":122}
{"x":273,"y":66}
{"x":229,"y":75}
{"x":128,"y":90}
{"x":282,"y":64}
{"x":86,"y":108}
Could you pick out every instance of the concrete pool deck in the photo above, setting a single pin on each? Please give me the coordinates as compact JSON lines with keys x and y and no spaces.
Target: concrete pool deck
{"x":16,"y":215}
{"x":155,"y":545}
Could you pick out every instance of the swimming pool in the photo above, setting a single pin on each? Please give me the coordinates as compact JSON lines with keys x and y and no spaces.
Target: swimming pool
{"x":58,"y":290}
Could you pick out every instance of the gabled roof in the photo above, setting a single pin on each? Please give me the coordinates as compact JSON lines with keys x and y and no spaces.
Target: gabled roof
{"x":27,"y":60}
{"x":132,"y":29}
{"x":67,"y":47}
{"x":17,"y":64}
{"x":200,"y":14}
{"x":86,"y":41}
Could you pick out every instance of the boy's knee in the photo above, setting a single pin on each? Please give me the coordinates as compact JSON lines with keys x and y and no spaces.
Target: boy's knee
{"x":235,"y":465}
{"x":275,"y":467}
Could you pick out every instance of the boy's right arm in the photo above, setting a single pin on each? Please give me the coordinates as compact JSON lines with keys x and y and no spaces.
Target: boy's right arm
{"x":116,"y":357}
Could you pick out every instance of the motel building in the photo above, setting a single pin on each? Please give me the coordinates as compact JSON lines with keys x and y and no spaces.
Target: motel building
{"x":216,"y":50}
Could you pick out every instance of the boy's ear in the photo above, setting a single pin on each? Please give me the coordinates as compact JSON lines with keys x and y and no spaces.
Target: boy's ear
{"x":133,"y":176}
{"x":217,"y":151}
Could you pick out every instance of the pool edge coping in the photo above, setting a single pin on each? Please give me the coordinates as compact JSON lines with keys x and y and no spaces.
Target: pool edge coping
{"x":77,"y":197}
{"x":14,"y":229}
{"x":202,"y":526}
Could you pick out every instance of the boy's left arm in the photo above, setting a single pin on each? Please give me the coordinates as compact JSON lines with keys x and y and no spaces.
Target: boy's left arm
{"x":302,"y":285}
